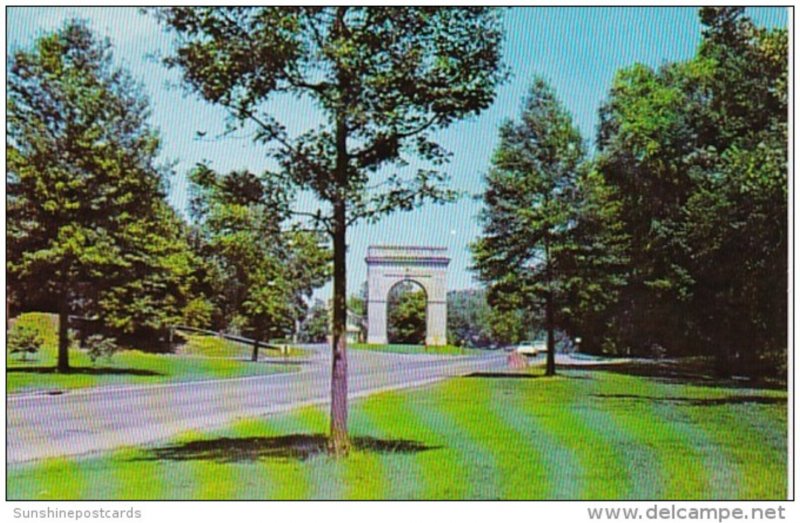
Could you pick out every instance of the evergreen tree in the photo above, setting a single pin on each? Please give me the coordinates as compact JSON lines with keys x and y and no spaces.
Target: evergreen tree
{"x":84,"y":185}
{"x":528,"y":210}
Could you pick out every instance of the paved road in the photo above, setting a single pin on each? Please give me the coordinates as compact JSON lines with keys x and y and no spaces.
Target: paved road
{"x":80,"y":422}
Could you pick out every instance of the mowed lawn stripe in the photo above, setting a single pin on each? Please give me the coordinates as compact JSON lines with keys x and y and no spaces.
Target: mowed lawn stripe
{"x":367,"y":473}
{"x":635,"y":404}
{"x":51,"y":479}
{"x":383,"y":416}
{"x":674,"y":403}
{"x":440,"y":465}
{"x":534,"y":454}
{"x":469,"y":427}
{"x":324,"y":474}
{"x":752,"y":450}
{"x":587,"y":466}
{"x":644,"y":478}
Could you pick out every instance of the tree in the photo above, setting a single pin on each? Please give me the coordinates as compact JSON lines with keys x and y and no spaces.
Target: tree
{"x":262,"y":274}
{"x":468,"y":318}
{"x":595,"y":258}
{"x":384,"y":79}
{"x":161,"y":279}
{"x":528,"y":205}
{"x":406,"y":321}
{"x":734,"y":228}
{"x":316,"y":327}
{"x":81,"y":173}
{"x":696,"y":154}
{"x":98,"y":346}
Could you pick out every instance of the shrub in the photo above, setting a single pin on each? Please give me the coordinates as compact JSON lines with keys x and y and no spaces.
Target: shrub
{"x":98,"y":346}
{"x":23,"y":339}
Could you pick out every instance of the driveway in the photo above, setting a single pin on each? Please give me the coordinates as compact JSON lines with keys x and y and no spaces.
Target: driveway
{"x":93,"y":420}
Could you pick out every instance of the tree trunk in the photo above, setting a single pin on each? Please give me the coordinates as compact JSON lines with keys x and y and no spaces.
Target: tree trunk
{"x":339,"y":443}
{"x":63,"y":335}
{"x":550,"y":369}
{"x":254,"y":356}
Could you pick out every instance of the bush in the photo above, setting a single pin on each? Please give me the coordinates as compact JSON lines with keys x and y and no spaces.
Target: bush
{"x":23,"y":339}
{"x":98,"y":346}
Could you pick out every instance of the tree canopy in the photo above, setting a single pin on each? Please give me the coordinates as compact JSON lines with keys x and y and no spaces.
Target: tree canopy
{"x":696,"y":152}
{"x":86,"y":210}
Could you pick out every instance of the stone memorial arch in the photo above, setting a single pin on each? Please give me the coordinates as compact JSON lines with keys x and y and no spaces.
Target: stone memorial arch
{"x":388,"y":266}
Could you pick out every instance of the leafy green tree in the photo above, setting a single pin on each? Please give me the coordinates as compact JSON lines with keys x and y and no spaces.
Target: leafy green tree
{"x":316,"y":326}
{"x":734,"y":228}
{"x":82,"y":174}
{"x":407,"y":314}
{"x":384,"y":79}
{"x":262,"y":275}
{"x":507,"y":327}
{"x":160,"y":280}
{"x":468,"y":318}
{"x":596,"y":260}
{"x":198,"y":313}
{"x":528,"y":209}
{"x":697,"y":156}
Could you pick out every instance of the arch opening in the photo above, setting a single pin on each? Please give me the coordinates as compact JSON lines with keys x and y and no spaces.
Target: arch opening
{"x":407,"y":313}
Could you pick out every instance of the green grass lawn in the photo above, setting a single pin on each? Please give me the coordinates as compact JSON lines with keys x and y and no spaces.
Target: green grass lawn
{"x":216,"y":347}
{"x":446,"y":350}
{"x":583,"y":435}
{"x":124,"y":368}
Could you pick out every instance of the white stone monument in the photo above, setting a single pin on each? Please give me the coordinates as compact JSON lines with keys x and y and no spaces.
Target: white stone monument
{"x":388,"y":266}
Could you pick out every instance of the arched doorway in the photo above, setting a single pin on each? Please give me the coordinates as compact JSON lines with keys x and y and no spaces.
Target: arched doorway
{"x":406,"y":313}
{"x":389,"y":265}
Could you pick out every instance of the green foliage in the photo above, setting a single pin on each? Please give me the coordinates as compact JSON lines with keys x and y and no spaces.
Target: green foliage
{"x":259,"y":274}
{"x":98,"y":346}
{"x":507,"y":327}
{"x":316,"y":326}
{"x":407,"y":314}
{"x":545,"y":214}
{"x":198,"y":313}
{"x":469,"y":319}
{"x":385,"y":77}
{"x":88,"y":227}
{"x":696,"y":155}
{"x":24,"y":340}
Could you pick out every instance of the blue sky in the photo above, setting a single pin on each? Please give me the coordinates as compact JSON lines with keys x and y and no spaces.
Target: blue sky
{"x":578,"y":50}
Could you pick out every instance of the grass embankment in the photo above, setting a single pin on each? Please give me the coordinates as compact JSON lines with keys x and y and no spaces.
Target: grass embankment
{"x":445,"y":350}
{"x":582,"y":435}
{"x":124,"y":368}
{"x":216,"y":347}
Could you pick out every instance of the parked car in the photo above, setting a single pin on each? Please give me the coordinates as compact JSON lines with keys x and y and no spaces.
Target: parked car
{"x":530,"y":348}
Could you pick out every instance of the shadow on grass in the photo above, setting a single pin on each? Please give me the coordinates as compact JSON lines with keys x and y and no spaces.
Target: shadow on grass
{"x":698,"y":402}
{"x":673,"y":372}
{"x":294,"y":446}
{"x":521,"y":375}
{"x":91,"y":371}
